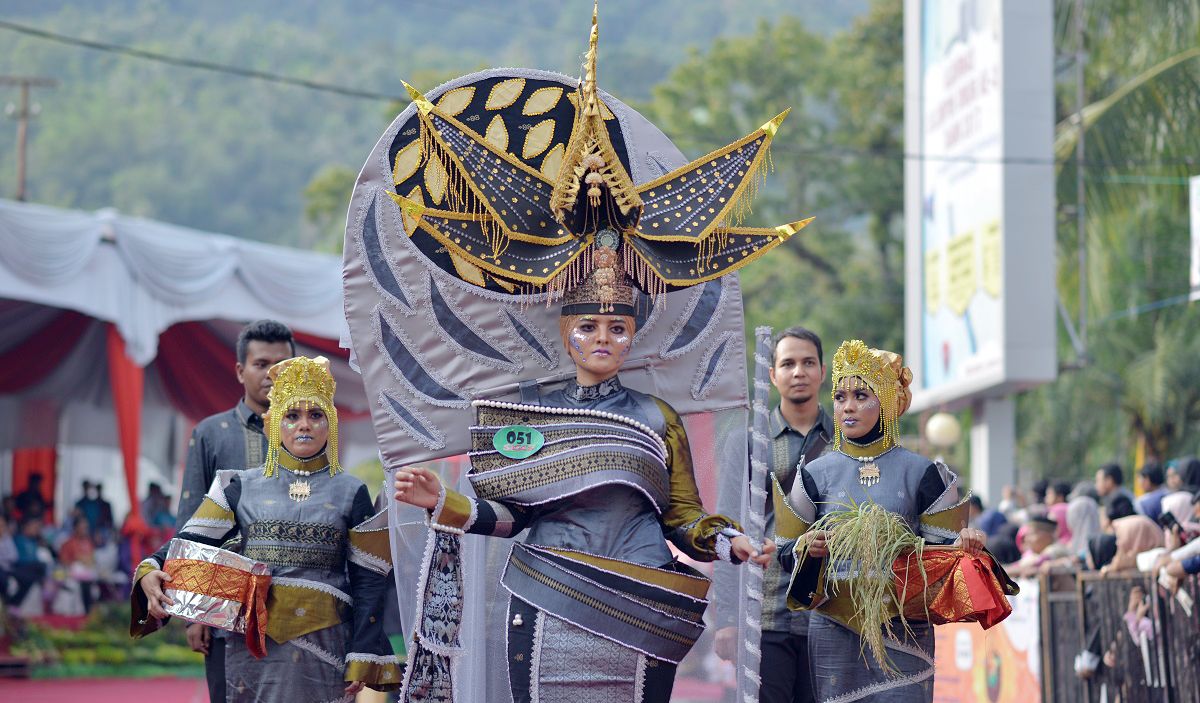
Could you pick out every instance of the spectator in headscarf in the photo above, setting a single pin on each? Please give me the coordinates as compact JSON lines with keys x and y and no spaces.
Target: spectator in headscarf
{"x":1134,"y":535}
{"x":1083,"y":518}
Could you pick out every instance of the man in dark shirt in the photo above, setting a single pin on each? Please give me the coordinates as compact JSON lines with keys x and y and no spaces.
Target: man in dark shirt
{"x":232,"y":439}
{"x":800,"y":430}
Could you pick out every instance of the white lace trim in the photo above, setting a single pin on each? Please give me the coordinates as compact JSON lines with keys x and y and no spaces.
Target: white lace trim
{"x":314,"y":585}
{"x":208,"y":522}
{"x":373,"y":658}
{"x":723,"y":548}
{"x":317,"y":651}
{"x":369,"y":561}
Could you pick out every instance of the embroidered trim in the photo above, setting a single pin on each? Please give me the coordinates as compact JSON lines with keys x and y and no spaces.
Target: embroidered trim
{"x":547,"y":356}
{"x":474,"y":516}
{"x":369,"y":561}
{"x":436,"y":514}
{"x":508,"y":366}
{"x":639,"y":678}
{"x":365,"y":207}
{"x":723,"y":548}
{"x":289,"y":531}
{"x":373,"y":658}
{"x":603,"y":389}
{"x":312,"y":585}
{"x":212,"y":522}
{"x":317,"y":651}
{"x":656,"y":309}
{"x":303,"y":557}
{"x":951,"y":485}
{"x":378,"y":318}
{"x":711,"y":365}
{"x":583,"y":412}
{"x":685,"y":316}
{"x":217,"y":491}
{"x":438,"y":440}
{"x":535,"y":659}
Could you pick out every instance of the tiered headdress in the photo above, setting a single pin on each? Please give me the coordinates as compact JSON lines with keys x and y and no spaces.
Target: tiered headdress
{"x":561,"y":212}
{"x":303,"y":383}
{"x":884,"y":373}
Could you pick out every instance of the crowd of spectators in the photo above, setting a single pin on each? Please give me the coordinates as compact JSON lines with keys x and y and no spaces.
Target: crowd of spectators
{"x":65,"y":567}
{"x":1100,"y":526}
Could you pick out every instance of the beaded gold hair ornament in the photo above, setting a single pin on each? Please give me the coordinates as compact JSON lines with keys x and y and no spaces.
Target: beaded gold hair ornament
{"x":856,"y":365}
{"x":300,"y":383}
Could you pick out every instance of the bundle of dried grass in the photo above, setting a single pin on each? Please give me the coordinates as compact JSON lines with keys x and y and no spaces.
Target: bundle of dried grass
{"x":864,"y":539}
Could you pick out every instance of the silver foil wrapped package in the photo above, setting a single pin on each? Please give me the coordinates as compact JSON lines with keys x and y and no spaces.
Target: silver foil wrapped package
{"x":210,"y":585}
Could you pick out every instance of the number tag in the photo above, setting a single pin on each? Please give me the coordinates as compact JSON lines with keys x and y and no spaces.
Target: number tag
{"x":518,"y":441}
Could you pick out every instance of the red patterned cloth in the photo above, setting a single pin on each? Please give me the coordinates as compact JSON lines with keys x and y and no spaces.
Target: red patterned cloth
{"x":958,"y":587}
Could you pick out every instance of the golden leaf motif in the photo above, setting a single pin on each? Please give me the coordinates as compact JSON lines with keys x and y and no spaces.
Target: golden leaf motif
{"x":407,"y":161}
{"x":505,"y":93}
{"x":497,"y":133}
{"x":455,"y":101}
{"x":410,"y":222}
{"x":467,"y":271}
{"x":553,"y":162}
{"x":542,"y":101}
{"x":435,"y":180}
{"x":537,"y":139}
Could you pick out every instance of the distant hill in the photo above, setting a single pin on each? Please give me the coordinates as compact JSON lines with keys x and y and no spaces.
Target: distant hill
{"x":229,"y":154}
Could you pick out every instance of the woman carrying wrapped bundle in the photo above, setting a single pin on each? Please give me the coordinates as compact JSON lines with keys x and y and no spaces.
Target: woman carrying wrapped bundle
{"x":314,"y":630}
{"x":859,"y":522}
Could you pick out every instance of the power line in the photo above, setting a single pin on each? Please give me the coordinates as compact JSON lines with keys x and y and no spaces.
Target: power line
{"x":197,"y":63}
{"x":844,"y":153}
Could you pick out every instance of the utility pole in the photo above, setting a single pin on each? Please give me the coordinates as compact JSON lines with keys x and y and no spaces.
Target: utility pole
{"x":22,"y":113}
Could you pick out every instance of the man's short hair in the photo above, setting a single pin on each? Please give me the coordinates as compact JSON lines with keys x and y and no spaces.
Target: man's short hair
{"x":1062,"y":488}
{"x":1039,"y":489}
{"x":1120,"y":506}
{"x":269,"y":331}
{"x":1114,"y":473}
{"x":1043,"y":524}
{"x":1153,"y":472}
{"x":799,"y":333}
{"x":977,"y":502}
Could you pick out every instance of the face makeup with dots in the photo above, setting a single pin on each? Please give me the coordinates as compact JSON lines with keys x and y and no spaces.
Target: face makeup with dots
{"x":304,"y":432}
{"x":855,"y":408}
{"x":598,"y":344}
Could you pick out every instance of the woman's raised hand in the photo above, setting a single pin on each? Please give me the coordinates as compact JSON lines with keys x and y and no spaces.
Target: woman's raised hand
{"x":417,"y":486}
{"x":744,"y":550}
{"x":156,"y":600}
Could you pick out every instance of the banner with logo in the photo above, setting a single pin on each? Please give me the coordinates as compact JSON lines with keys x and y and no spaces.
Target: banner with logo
{"x":1000,"y":665}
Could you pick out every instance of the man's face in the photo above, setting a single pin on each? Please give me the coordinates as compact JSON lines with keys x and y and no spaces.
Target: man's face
{"x":798,"y":371}
{"x":1039,"y":540}
{"x":1104,"y":484}
{"x":260,"y":357}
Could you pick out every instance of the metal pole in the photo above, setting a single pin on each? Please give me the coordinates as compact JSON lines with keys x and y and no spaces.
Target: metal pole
{"x":22,"y":114}
{"x":751,"y":655}
{"x":22,"y":132}
{"x":1080,"y":212}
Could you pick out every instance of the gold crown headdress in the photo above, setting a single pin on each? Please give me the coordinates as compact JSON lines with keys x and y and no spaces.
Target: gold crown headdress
{"x":884,"y":373}
{"x":515,"y":184}
{"x":304,"y":383}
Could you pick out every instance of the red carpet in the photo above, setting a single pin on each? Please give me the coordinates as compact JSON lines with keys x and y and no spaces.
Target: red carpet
{"x":160,"y":690}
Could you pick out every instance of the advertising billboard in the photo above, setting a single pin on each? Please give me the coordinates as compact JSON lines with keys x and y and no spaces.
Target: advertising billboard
{"x":979,"y":191}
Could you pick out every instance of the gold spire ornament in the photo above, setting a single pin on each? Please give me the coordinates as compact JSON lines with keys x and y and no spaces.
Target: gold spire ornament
{"x":300,"y":383}
{"x":855,"y":366}
{"x":532,"y":218}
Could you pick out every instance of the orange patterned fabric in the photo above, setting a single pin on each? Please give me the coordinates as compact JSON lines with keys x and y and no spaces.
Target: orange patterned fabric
{"x":227,"y":583}
{"x":958,"y":587}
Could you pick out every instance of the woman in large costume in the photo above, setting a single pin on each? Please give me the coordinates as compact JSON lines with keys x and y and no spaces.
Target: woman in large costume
{"x":313,"y":525}
{"x":868,"y":466}
{"x":600,"y":610}
{"x":518,"y":183}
